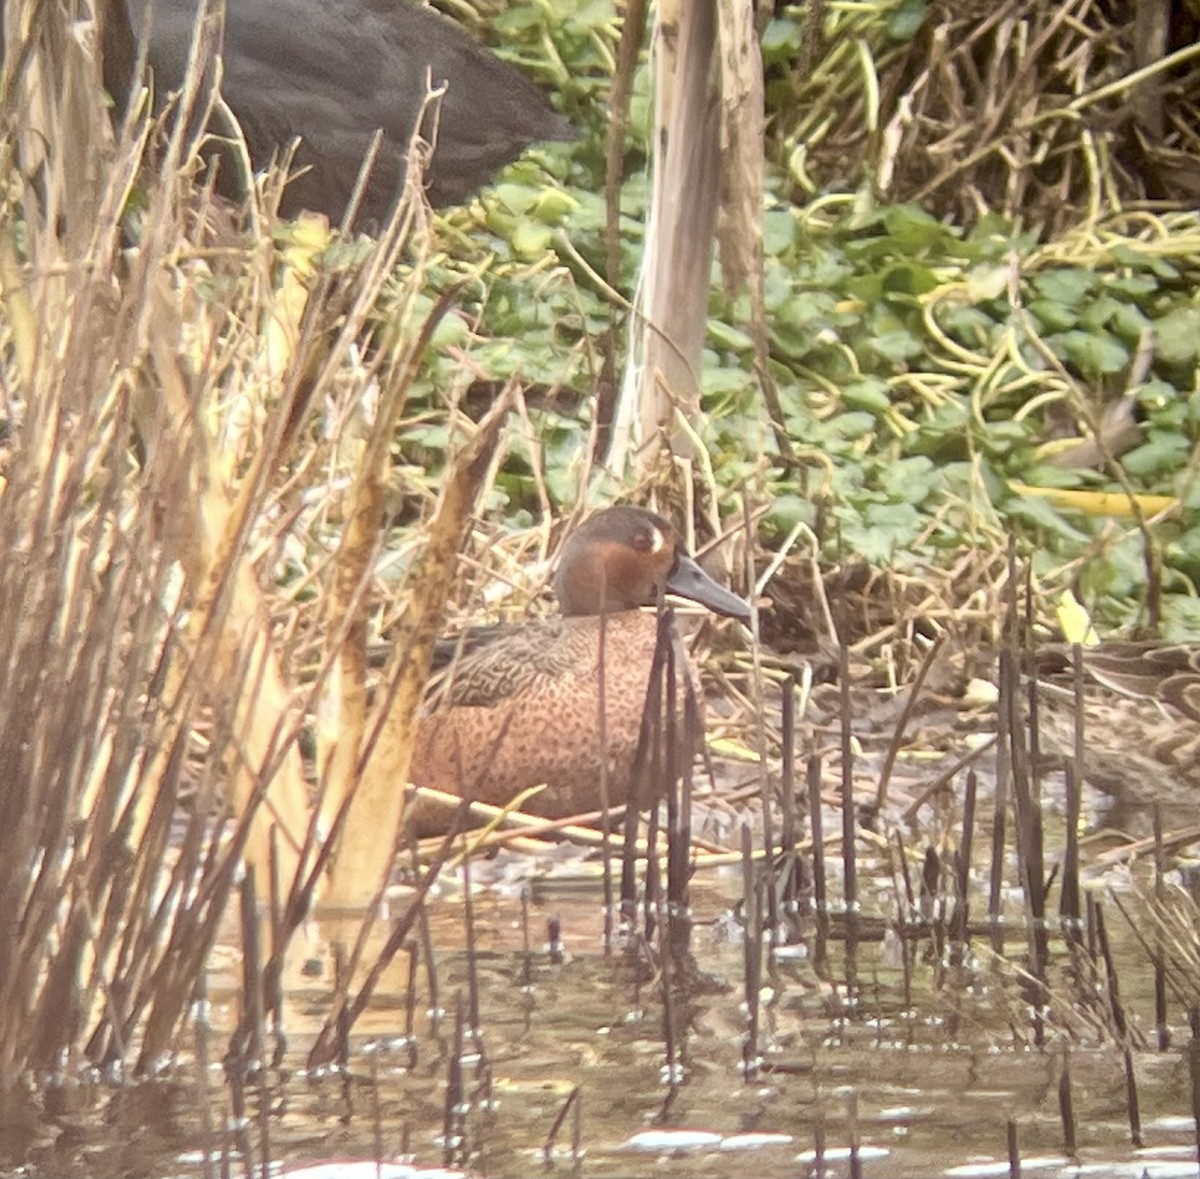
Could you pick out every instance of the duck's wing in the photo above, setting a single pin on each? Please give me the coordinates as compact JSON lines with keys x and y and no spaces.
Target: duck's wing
{"x":514,"y":661}
{"x":1143,"y":726}
{"x":1148,"y":670}
{"x":1143,"y":669}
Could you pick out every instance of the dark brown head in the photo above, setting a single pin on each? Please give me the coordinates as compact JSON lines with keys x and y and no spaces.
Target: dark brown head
{"x":622,"y":557}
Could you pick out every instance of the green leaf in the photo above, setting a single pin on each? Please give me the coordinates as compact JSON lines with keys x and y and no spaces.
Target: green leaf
{"x":1053,"y":316}
{"x":907,"y":278}
{"x":1093,"y":353}
{"x":451,"y":331}
{"x":1070,"y":286}
{"x":1161,"y":454}
{"x":786,"y":511}
{"x":717,"y":381}
{"x":808,"y":310}
{"x":911,"y":480}
{"x":894,"y":518}
{"x":1156,"y":395}
{"x":532,"y":239}
{"x":1135,"y":259}
{"x":517,"y":198}
{"x":1182,"y":618}
{"x":873,"y":545}
{"x":896,"y":346}
{"x":1099,"y":311}
{"x":911,"y":229}
{"x":726,"y":336}
{"x":970,"y":325}
{"x":1129,"y":322}
{"x":553,"y":206}
{"x":778,"y":231}
{"x":1003,"y":437}
{"x":906,"y":19}
{"x":852,"y":425}
{"x":1136,"y":286}
{"x":869,"y":394}
{"x":780,"y":41}
{"x":1037,"y":511}
{"x":1177,"y":336}
{"x":987,"y":281}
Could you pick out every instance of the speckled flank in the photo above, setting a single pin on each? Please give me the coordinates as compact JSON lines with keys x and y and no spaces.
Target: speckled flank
{"x":546,"y":727}
{"x":525,"y":709}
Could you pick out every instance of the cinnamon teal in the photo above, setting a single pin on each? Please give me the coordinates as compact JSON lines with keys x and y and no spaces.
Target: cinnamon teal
{"x":1141,"y":724}
{"x":524,"y":709}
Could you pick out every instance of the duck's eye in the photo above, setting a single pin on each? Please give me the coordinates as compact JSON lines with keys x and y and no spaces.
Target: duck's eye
{"x":651,"y":541}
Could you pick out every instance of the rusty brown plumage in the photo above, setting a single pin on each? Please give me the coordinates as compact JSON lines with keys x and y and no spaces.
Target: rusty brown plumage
{"x":525,"y":708}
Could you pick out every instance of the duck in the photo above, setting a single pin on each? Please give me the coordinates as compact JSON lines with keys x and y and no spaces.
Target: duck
{"x":523,"y":709}
{"x":331,"y":75}
{"x":1142,"y":727}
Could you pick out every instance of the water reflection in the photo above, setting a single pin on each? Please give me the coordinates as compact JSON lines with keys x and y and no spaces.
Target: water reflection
{"x":566,"y":1067}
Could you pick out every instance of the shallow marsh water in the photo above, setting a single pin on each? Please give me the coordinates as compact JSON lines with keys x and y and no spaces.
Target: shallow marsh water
{"x":908,"y":1072}
{"x":925,"y":1089}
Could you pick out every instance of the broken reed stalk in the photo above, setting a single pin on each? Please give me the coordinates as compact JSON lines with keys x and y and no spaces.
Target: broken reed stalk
{"x":1193,"y":1067}
{"x":571,"y":1105}
{"x":526,"y":946}
{"x":247,"y":1044}
{"x":670,"y":788}
{"x":645,"y":786}
{"x":1007,"y":687}
{"x":363,"y":859}
{"x":910,"y":702}
{"x":201,"y":1028}
{"x":1066,"y":1108}
{"x":849,"y":818}
{"x":962,"y":876}
{"x":1013,"y":1149}
{"x":908,"y":949}
{"x":683,"y":731}
{"x":1068,"y":893}
{"x":819,"y":1168}
{"x":1027,"y":811}
{"x":1124,"y":1033}
{"x":455,"y":1107}
{"x":788,"y":863}
{"x":933,"y":907}
{"x":472,"y":953}
{"x":1079,"y":755}
{"x":752,"y":952}
{"x":816,"y":826}
{"x":1162,"y":1031}
{"x":906,"y":900}
{"x":602,"y":777}
{"x":667,"y":972}
{"x":854,"y":1133}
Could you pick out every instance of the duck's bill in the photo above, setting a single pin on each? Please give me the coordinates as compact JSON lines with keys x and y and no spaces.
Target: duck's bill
{"x":689,"y":581}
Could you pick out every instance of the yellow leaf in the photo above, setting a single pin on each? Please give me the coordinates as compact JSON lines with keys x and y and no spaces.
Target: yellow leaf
{"x":1074,"y":620}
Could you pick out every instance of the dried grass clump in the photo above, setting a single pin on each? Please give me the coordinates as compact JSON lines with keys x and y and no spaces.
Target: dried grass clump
{"x":155,"y":370}
{"x":1034,"y":109}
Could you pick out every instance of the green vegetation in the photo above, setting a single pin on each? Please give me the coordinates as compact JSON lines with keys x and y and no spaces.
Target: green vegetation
{"x":924,"y":363}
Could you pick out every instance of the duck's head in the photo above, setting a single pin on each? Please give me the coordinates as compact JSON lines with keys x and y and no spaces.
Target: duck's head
{"x":621,"y":558}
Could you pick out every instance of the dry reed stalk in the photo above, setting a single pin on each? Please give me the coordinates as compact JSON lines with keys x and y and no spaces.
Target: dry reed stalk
{"x":145,"y":490}
{"x":708,"y":125}
{"x":1043,"y":111}
{"x":364,"y":853}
